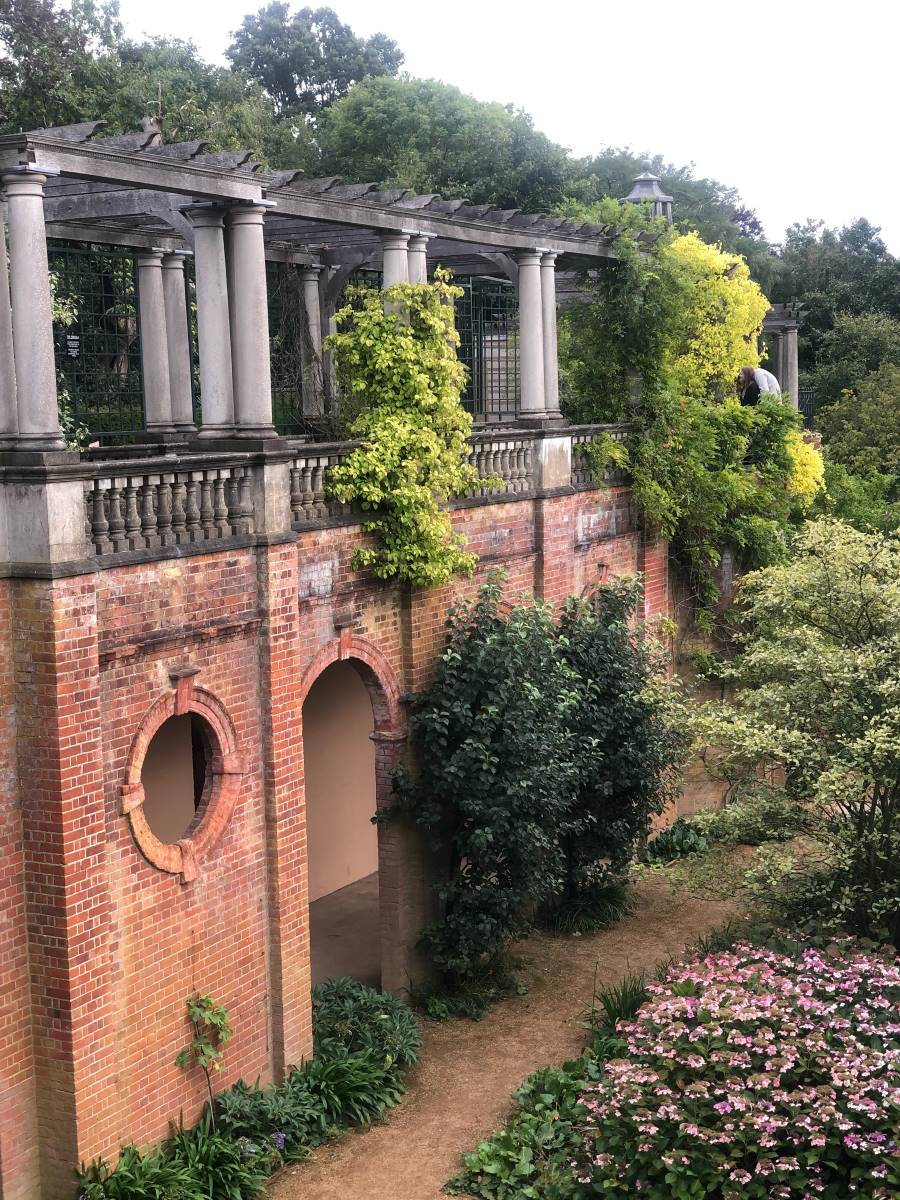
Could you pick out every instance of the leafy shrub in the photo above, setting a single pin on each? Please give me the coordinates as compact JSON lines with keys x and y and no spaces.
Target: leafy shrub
{"x":593,"y":907}
{"x":767,"y":816}
{"x":291,"y":1117}
{"x":529,"y":1158}
{"x":818,"y":706}
{"x":356,"y":1017}
{"x":753,"y":1073}
{"x":528,"y":793}
{"x":675,"y":841}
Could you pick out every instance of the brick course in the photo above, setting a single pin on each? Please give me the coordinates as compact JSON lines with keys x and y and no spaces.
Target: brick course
{"x":98,"y":948}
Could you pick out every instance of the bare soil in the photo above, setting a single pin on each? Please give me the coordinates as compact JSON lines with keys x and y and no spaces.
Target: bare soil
{"x":460,"y":1092}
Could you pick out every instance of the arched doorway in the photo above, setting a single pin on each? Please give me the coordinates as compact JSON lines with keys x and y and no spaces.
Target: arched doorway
{"x":339,"y":767}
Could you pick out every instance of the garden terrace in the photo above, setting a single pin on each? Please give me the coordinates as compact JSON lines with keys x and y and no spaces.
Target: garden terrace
{"x":173,"y":265}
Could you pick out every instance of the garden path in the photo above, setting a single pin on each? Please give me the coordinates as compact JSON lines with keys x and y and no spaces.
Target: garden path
{"x":460,"y":1091}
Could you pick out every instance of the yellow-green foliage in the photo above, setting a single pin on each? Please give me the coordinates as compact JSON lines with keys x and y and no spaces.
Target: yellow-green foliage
{"x":807,"y":478}
{"x":395,"y":351}
{"x":717,"y":325}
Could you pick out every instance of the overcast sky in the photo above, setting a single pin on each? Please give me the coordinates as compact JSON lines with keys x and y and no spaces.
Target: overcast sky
{"x":794,"y":103}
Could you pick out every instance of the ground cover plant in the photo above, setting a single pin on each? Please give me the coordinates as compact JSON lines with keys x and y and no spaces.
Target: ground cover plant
{"x":364,"y":1042}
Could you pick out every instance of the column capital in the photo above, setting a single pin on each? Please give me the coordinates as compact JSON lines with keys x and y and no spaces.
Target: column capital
{"x":150,"y":257}
{"x":528,"y":258}
{"x":392,"y":240}
{"x":248,"y":214}
{"x":205,"y":216}
{"x":173,"y":260}
{"x":23,"y":182}
{"x":311,"y":271}
{"x":420,"y":238}
{"x":549,"y":257}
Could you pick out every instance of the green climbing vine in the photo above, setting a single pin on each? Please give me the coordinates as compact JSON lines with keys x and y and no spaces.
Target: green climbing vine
{"x":395,"y":351}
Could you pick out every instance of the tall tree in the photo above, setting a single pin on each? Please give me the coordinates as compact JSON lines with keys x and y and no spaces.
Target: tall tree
{"x":427,"y":135}
{"x":309,"y":60}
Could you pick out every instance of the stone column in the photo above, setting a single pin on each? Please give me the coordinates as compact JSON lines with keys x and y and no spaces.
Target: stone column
{"x":178,"y":341}
{"x":32,"y":312}
{"x":531,"y":337}
{"x":213,"y":331}
{"x":154,"y":343}
{"x":777,"y":356}
{"x":551,"y":357}
{"x":9,"y":425}
{"x":249,"y":298}
{"x":313,"y":377}
{"x":418,"y":258}
{"x":395,"y":268}
{"x":791,"y":381}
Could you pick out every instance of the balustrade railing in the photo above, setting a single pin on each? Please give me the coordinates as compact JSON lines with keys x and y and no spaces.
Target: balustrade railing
{"x":162,"y":505}
{"x":310,"y":501}
{"x":508,"y":460}
{"x":583,"y":473}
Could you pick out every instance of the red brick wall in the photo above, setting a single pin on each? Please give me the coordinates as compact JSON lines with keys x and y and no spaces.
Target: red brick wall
{"x":116,"y":945}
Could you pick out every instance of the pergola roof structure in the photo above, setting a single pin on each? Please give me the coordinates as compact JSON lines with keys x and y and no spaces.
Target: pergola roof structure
{"x":131,"y":190}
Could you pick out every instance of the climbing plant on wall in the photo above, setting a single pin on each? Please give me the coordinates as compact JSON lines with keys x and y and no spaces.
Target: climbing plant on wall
{"x":397,"y":366}
{"x":679,"y":318}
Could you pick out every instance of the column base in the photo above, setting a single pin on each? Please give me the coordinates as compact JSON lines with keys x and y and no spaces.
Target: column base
{"x":256,"y":432}
{"x":36,"y":441}
{"x":541,"y":420}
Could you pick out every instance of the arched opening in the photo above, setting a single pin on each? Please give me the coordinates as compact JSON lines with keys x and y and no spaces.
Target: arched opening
{"x":174,"y":775}
{"x":342,"y":842}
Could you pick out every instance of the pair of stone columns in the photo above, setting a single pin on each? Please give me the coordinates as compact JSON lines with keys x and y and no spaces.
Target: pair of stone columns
{"x":165,"y":344}
{"x":232,"y":320}
{"x":538,"y":363}
{"x":404,"y":258}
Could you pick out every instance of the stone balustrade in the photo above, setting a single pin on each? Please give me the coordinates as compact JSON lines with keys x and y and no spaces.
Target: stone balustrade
{"x":508,"y":458}
{"x":583,"y":475}
{"x":310,"y":501}
{"x":157,"y":504}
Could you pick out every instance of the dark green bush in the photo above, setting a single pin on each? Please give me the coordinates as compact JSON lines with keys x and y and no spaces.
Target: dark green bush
{"x":352,"y":1089}
{"x":151,"y":1176}
{"x":530,"y":795}
{"x":356,"y":1017}
{"x":222,"y":1169}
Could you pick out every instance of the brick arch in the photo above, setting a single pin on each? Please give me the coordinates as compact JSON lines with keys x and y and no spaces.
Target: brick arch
{"x":376,"y":673}
{"x":220,"y":791}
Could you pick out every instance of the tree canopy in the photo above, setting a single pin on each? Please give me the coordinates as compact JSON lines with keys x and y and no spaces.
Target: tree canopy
{"x":307,"y":60}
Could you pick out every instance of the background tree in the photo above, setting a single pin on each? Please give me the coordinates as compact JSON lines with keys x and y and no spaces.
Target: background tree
{"x":862,"y":430}
{"x":855,"y":346}
{"x":429,"y":136}
{"x":308,"y":60}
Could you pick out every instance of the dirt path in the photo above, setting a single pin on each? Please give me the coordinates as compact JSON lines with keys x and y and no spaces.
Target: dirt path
{"x":461,"y":1089}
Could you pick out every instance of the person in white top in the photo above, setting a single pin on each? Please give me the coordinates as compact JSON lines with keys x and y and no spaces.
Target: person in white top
{"x":766,"y":381}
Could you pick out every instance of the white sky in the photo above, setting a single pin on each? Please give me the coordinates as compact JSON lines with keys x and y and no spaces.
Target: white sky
{"x":794,"y":103}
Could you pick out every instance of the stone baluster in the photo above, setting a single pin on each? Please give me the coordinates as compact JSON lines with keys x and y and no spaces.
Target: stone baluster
{"x":309,"y":499}
{"x":179,"y":518}
{"x":116,"y":519}
{"x":164,"y":511}
{"x":148,"y":513}
{"x":193,"y":531}
{"x":220,"y":504}
{"x":318,"y":487}
{"x":133,"y":537}
{"x":99,"y":521}
{"x":207,"y":512}
{"x":233,"y":500}
{"x":296,"y":495}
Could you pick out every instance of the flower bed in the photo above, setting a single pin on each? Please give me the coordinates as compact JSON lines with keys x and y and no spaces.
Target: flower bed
{"x":754,"y":1073}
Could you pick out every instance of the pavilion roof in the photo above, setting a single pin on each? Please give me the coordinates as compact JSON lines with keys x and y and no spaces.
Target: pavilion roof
{"x":131,"y":190}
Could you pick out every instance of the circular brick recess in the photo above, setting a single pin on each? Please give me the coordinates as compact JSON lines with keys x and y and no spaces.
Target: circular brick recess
{"x":220,"y":792}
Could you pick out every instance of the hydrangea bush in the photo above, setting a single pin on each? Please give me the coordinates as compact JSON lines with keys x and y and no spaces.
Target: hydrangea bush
{"x":754,"y":1073}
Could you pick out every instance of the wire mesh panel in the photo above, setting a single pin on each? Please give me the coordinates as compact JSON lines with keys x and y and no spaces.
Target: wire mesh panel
{"x":487,"y":317}
{"x":97,"y":339}
{"x":286,"y":333}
